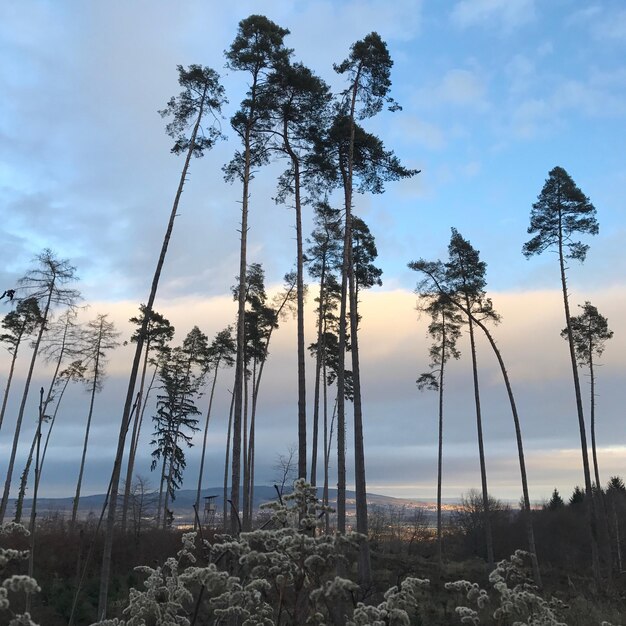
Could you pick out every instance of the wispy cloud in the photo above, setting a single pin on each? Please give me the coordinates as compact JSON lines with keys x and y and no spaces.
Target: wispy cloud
{"x":505,"y":14}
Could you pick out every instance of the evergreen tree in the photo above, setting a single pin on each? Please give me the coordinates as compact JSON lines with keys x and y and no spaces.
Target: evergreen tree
{"x":323,"y":258}
{"x":590,"y":332}
{"x":159,"y":333}
{"x":17,"y":324}
{"x":257,"y":50}
{"x":561,"y":213}
{"x":298,"y":111}
{"x":367,"y":72}
{"x":556,"y":502}
{"x":182,"y":376}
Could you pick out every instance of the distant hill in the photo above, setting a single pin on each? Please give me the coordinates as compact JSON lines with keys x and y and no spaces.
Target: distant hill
{"x":185,"y":499}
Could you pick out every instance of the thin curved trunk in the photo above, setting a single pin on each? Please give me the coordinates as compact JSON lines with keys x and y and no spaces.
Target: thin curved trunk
{"x":590,"y":503}
{"x":440,"y":449}
{"x":365,"y":573}
{"x":9,"y":379}
{"x":227,"y":458}
{"x":33,"y":510}
{"x":161,"y":483}
{"x":318,"y":371}
{"x":593,"y":422}
{"x":87,"y":429}
{"x":530,"y":534}
{"x":134,"y":438}
{"x":206,"y":430}
{"x":245,"y":488}
{"x":24,"y":480}
{"x":300,"y":307}
{"x":52,"y":422}
{"x":481,"y":449}
{"x":20,"y":415}
{"x":117,"y":465}
{"x":326,"y":450}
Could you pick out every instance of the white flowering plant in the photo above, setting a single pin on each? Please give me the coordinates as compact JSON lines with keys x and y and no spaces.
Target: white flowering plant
{"x":14,"y":583}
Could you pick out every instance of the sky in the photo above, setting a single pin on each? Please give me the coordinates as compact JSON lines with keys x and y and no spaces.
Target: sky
{"x":494,"y":94}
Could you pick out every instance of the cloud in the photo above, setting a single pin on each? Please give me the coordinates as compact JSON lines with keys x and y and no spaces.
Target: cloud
{"x":458,"y":88}
{"x":505,"y":14}
{"x":400,"y":422}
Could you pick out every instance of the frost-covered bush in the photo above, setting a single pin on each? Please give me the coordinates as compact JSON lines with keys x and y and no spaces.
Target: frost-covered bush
{"x":282,"y":575}
{"x":15,"y":583}
{"x":518,"y":601}
{"x":287,"y":574}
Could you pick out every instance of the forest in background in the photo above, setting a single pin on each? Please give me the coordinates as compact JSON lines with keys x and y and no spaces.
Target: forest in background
{"x":289,"y":114}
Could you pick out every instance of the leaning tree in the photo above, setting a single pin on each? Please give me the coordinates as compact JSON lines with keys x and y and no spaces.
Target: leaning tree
{"x":202,"y":96}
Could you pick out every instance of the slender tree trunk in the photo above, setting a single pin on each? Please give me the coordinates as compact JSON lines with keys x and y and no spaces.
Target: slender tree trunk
{"x":161,"y":484}
{"x":590,"y":503}
{"x":481,"y":449}
{"x":20,"y":415}
{"x":246,"y":475}
{"x":326,"y":451}
{"x":206,"y":430}
{"x":318,"y":370}
{"x":52,"y":422}
{"x":227,"y":458}
{"x":29,"y":460}
{"x":530,"y":534}
{"x":94,"y":388}
{"x":440,"y":449}
{"x":7,"y":387}
{"x":117,"y":464}
{"x":300,"y":308}
{"x":19,"y":505}
{"x":365,"y":573}
{"x":134,"y":438}
{"x":33,"y":510}
{"x":592,"y":407}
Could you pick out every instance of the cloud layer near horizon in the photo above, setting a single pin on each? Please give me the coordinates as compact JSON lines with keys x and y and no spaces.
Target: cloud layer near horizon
{"x":400,"y":421}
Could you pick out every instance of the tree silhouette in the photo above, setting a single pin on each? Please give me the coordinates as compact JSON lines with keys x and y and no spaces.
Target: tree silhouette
{"x":445,"y":329}
{"x":182,"y":377}
{"x":367,"y":71}
{"x":556,"y":502}
{"x":590,"y":332}
{"x":17,"y":324}
{"x":221,"y":352}
{"x":323,"y":258}
{"x":47,"y":285}
{"x":63,"y":340}
{"x":159,"y":333}
{"x":202,"y":95}
{"x":461,"y":281}
{"x":298,"y":111}
{"x":257,"y":50}
{"x":99,"y":337}
{"x":562,"y":211}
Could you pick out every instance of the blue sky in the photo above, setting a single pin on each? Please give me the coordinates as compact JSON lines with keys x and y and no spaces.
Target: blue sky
{"x":494,"y":93}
